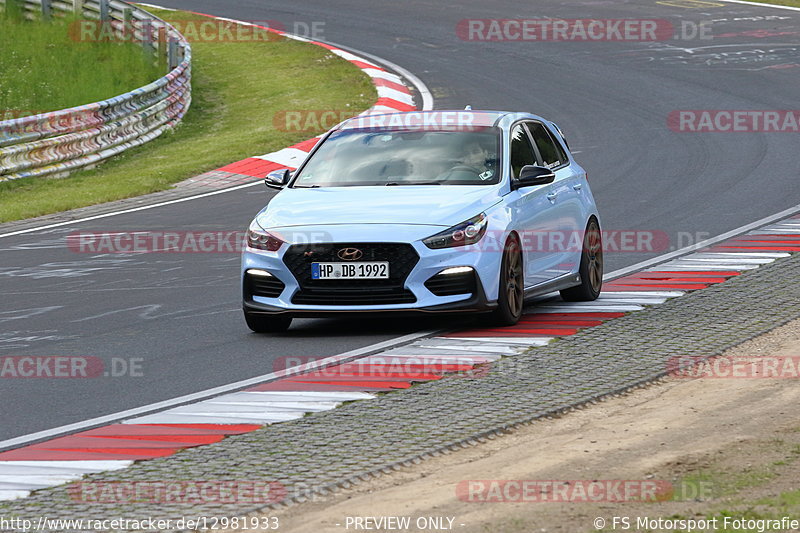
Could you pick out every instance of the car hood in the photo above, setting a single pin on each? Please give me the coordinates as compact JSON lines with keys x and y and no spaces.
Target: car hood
{"x":431,"y":205}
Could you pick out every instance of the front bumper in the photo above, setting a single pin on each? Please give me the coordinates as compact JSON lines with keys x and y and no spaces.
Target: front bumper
{"x":486,"y":266}
{"x":475,"y":303}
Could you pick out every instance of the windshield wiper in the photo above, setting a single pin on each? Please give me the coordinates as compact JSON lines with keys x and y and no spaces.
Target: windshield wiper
{"x":414,"y":183}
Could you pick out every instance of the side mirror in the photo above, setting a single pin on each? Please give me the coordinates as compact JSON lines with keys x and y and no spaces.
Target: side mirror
{"x":278,"y":179}
{"x":531,"y":175}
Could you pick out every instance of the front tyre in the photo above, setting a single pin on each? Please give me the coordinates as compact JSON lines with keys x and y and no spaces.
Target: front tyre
{"x":511,"y":294}
{"x":591,"y":269}
{"x":267,"y":323}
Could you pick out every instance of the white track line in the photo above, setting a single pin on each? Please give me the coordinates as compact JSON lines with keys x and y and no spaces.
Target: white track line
{"x":584,"y":307}
{"x":311,"y":407}
{"x":759,"y":4}
{"x":19,"y":478}
{"x":693,"y":267}
{"x":202,"y":395}
{"x":213,"y":418}
{"x":433,"y":345}
{"x":288,"y":157}
{"x":13,"y":494}
{"x":126,"y":211}
{"x":296,"y":396}
{"x":702,"y":244}
{"x":417,"y":351}
{"x":394,"y":94}
{"x":223,"y":406}
{"x":631,"y":298}
{"x":431,"y":353}
{"x":419,"y":85}
{"x":453,"y":344}
{"x":740,"y":255}
{"x":626,"y":294}
{"x":60,"y":467}
{"x":422,"y":89}
{"x":725,"y":261}
{"x":382,"y":74}
{"x":85,"y":466}
{"x":244,"y":407}
{"x":521,"y":341}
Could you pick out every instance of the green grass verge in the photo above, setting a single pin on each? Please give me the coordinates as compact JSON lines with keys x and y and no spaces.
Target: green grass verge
{"x":237,"y":89}
{"x":43,"y":68}
{"x":726,"y":485}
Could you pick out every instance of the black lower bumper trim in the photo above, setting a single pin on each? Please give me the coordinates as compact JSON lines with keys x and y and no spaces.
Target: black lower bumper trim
{"x":478,"y":303}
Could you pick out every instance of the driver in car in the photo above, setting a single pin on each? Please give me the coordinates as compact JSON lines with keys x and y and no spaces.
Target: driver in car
{"x":475,"y":164}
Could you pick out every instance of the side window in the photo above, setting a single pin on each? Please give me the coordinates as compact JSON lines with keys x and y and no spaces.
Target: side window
{"x":521,"y":151}
{"x":552,"y":153}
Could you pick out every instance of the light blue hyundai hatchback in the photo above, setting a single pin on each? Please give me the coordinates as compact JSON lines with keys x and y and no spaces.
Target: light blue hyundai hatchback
{"x":424,"y":212}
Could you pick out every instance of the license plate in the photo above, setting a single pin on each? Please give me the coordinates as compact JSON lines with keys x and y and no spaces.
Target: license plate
{"x":365,"y":270}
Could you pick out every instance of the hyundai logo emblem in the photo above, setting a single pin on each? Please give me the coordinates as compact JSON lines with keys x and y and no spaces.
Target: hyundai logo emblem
{"x":350,"y":254}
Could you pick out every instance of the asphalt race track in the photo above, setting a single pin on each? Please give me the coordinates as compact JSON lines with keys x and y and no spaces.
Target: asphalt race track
{"x":177,"y":316}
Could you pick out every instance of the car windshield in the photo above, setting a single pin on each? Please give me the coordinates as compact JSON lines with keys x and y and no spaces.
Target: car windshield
{"x":361,"y":157}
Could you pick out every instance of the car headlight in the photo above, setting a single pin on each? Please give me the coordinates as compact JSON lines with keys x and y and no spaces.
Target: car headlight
{"x":261,"y":240}
{"x":468,"y":232}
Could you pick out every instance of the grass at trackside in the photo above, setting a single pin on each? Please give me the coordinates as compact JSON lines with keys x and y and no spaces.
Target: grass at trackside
{"x":726,"y":485}
{"x":44,"y":67}
{"x":237,"y":89}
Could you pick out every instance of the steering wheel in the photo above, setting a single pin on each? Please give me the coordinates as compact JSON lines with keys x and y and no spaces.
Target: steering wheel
{"x":465,"y":168}
{"x":462,"y":168}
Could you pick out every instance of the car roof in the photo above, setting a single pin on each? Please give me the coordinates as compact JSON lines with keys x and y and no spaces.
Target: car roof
{"x":444,"y":118}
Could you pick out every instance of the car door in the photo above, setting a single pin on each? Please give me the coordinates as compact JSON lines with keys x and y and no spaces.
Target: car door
{"x":564,"y":195}
{"x":533,"y":214}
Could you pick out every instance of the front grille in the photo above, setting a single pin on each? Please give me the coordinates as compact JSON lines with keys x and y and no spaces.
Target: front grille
{"x":352,"y":296}
{"x":266,"y":286}
{"x":452,"y":284}
{"x":401,"y":257}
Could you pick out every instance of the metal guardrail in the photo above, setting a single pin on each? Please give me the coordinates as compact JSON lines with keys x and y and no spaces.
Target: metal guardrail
{"x":62,"y":141}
